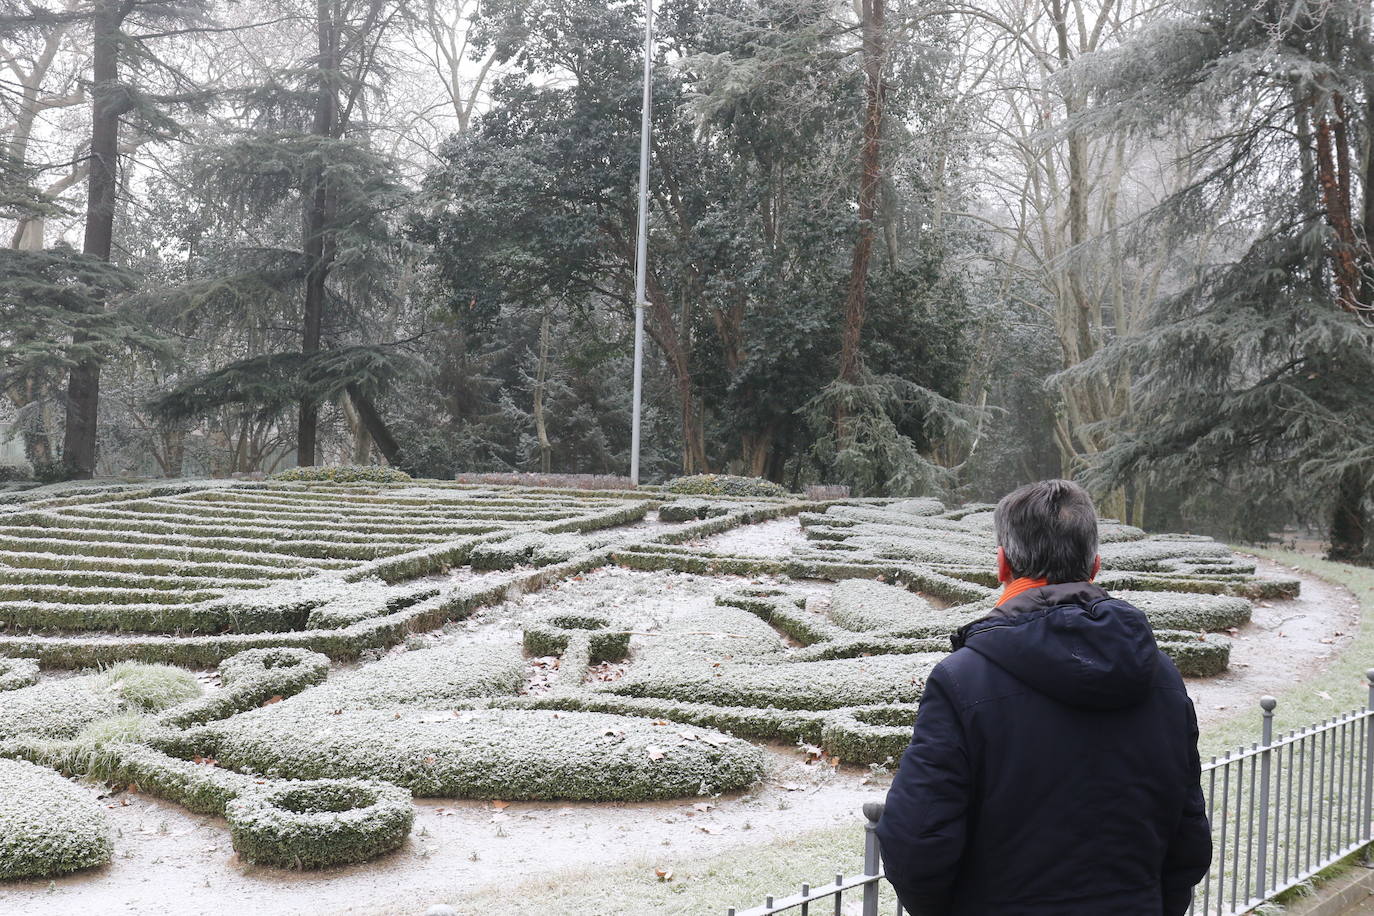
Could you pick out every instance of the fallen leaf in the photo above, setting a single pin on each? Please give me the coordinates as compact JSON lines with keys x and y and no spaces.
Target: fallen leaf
{"x":500,"y":805}
{"x":655,"y":753}
{"x":270,"y":700}
{"x":664,"y":874}
{"x":1323,"y":694}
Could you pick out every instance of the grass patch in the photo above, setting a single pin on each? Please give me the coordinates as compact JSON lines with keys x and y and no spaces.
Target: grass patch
{"x":152,"y":687}
{"x":701,"y":885}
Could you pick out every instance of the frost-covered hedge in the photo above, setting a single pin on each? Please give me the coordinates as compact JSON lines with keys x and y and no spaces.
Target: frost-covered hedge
{"x":802,"y":685}
{"x":319,"y":823}
{"x":690,"y":510}
{"x":1173,"y":611}
{"x":344,"y":474}
{"x":724,"y":485}
{"x":549,"y":635}
{"x":18,"y":672}
{"x":48,"y":826}
{"x":491,"y":753}
{"x":868,"y":734}
{"x":249,"y":679}
{"x":1195,"y":654}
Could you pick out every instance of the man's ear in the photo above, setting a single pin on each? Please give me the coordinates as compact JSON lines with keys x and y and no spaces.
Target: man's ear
{"x":1004,"y":571}
{"x":1097,"y":567}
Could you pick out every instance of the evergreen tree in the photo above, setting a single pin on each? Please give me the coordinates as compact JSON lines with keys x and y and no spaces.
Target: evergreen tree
{"x":1253,"y":375}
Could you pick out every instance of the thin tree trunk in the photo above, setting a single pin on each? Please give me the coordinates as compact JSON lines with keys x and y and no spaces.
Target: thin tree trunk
{"x":870,"y":176}
{"x":83,"y":383}
{"x":541,"y":377}
{"x":315,"y":222}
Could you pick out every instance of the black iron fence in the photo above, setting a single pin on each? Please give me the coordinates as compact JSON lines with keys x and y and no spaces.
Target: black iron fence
{"x":1281,"y":810}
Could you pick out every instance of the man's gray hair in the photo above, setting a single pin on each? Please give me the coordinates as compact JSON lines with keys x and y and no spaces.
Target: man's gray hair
{"x":1048,"y":530}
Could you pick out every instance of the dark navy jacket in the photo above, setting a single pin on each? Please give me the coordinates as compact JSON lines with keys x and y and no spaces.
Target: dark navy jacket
{"x":1053,"y":770}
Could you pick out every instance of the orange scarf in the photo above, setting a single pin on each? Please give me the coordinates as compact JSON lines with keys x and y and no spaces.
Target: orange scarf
{"x":1017,"y":586}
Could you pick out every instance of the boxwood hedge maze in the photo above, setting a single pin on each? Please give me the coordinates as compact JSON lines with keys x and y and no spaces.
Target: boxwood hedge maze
{"x":372,"y":642}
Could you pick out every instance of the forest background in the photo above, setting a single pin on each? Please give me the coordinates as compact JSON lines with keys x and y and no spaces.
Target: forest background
{"x":910,"y":246}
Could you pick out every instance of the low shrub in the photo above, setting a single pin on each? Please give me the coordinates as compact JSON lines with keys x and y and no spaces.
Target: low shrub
{"x":549,"y":635}
{"x":250,"y":679}
{"x":691,"y":510}
{"x":829,"y":684}
{"x":48,"y":826}
{"x":724,"y":485}
{"x":1195,"y":654}
{"x":868,"y":734}
{"x":509,"y":754}
{"x":319,"y":823}
{"x":343,"y":474}
{"x":18,"y":672}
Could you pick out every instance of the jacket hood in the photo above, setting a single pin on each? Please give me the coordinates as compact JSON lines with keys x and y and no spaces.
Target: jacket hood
{"x":1072,"y":642}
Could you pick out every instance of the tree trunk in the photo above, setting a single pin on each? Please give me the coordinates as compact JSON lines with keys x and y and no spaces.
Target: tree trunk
{"x":376,"y":427}
{"x":316,"y":247}
{"x":83,"y":383}
{"x":870,"y":176}
{"x":541,"y":377}
{"x":1349,"y":523}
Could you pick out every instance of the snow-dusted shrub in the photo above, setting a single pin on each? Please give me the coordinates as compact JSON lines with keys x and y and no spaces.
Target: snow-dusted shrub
{"x":1153,"y":553}
{"x":724,"y":485}
{"x":688,"y":510}
{"x":860,"y":605}
{"x":490,"y":753}
{"x":48,"y":826}
{"x":801,"y":685}
{"x":18,"y":672}
{"x":1174,"y":611}
{"x":549,"y":635}
{"x":200,"y":787}
{"x":784,"y":613}
{"x":344,"y":474}
{"x":57,"y":708}
{"x":319,"y":823}
{"x":249,"y":679}
{"x":924,"y":505}
{"x":868,"y":734}
{"x":1195,"y":654}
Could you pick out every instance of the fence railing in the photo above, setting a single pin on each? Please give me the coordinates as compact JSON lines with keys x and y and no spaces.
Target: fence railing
{"x":1281,"y":810}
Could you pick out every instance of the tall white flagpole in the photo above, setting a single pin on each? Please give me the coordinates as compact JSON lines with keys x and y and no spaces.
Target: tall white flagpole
{"x":642,"y":248}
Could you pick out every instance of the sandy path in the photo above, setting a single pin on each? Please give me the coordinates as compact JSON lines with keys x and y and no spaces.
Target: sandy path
{"x":1286,"y":642}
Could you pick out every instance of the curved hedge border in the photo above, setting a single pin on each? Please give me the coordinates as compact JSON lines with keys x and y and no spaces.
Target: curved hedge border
{"x":319,"y":823}
{"x":249,"y":679}
{"x":18,"y":672}
{"x":344,"y":474}
{"x":48,"y":826}
{"x":549,"y":635}
{"x":724,"y":485}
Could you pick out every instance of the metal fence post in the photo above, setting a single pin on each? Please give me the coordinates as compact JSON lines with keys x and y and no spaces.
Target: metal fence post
{"x":1368,"y":814}
{"x":1267,"y":703}
{"x":872,"y":864}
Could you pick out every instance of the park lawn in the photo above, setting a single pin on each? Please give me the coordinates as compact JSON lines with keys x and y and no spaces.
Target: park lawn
{"x":741,"y":877}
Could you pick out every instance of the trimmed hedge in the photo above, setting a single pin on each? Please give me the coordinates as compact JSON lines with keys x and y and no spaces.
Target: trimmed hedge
{"x":691,"y":510}
{"x":724,"y":485}
{"x":18,"y":672}
{"x":868,"y":734}
{"x":549,"y":635}
{"x":344,"y":474}
{"x":249,"y":679}
{"x":826,"y":684}
{"x":48,"y":826}
{"x":1195,"y":654}
{"x":490,"y":753}
{"x":319,"y":823}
